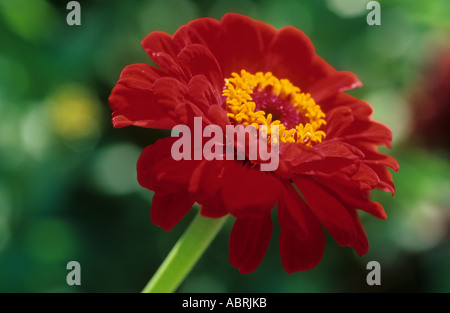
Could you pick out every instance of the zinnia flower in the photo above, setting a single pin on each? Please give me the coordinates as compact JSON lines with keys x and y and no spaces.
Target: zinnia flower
{"x":241,"y":71}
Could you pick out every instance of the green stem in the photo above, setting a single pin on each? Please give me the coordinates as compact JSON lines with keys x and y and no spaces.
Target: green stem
{"x":185,"y":254}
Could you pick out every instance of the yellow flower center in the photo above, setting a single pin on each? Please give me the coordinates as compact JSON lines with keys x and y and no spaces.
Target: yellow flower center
{"x":263,"y":99}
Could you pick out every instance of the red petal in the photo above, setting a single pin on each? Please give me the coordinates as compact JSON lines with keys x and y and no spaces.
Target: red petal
{"x":361,"y":244}
{"x":328,"y":86}
{"x":368,"y":132}
{"x":206,"y":180}
{"x":248,"y":192}
{"x":355,"y":198}
{"x":213,"y":209}
{"x":249,"y":240}
{"x":202,"y":93}
{"x":338,"y":119}
{"x":133,"y":101}
{"x":290,"y":56}
{"x":139,"y":76}
{"x":319,"y":69}
{"x":137,"y":107}
{"x":205,"y":186}
{"x":171,"y":96}
{"x":329,"y":155}
{"x":163,"y":106}
{"x":331,"y":213}
{"x":293,"y":155}
{"x":198,"y":60}
{"x":148,"y":160}
{"x":168,"y":209}
{"x":163,"y":50}
{"x":302,"y":240}
{"x":342,"y":116}
{"x":217,"y":115}
{"x":343,"y":168}
{"x":385,"y":183}
{"x":245,"y":38}
{"x":234,"y":35}
{"x":366,"y":177}
{"x":338,"y":149}
{"x":205,"y":31}
{"x":165,"y":61}
{"x":158,"y":171}
{"x":190,"y":111}
{"x":373,"y":157}
{"x":361,"y":110}
{"x":159,"y":41}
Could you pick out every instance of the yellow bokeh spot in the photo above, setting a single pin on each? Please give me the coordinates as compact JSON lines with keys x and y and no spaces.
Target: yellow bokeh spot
{"x":75,"y":112}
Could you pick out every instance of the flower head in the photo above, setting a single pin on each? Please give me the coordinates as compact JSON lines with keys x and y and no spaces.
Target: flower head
{"x":238,"y":71}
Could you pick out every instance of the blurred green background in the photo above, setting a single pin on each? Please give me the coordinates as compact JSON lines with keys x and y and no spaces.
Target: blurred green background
{"x":68,"y":188}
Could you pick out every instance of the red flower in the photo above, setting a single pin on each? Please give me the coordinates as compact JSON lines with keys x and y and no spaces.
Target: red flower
{"x":241,"y":71}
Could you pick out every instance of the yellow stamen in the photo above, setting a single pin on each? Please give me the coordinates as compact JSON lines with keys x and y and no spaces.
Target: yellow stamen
{"x":241,"y":108}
